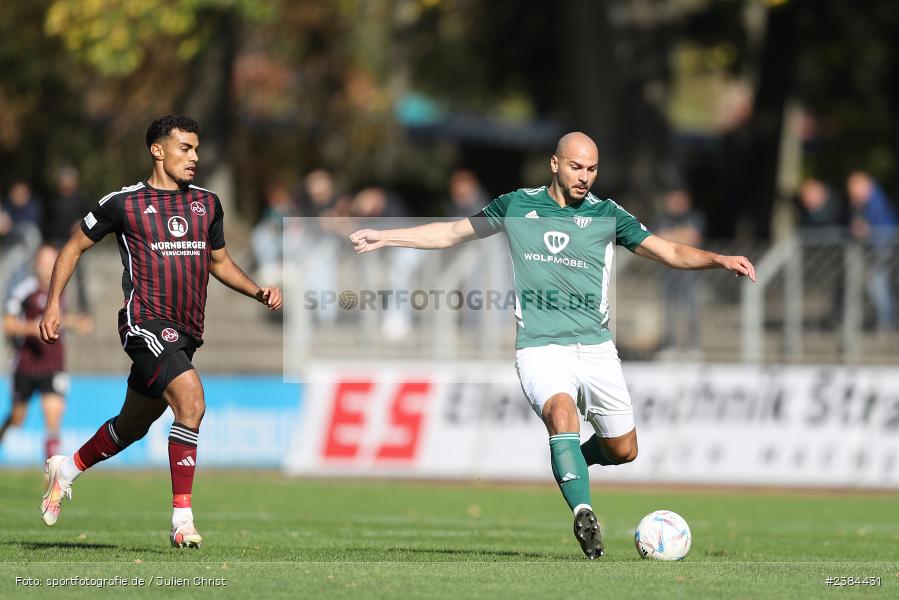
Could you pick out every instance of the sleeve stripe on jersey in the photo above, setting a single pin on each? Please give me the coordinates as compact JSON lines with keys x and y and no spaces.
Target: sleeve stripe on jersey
{"x":622,"y":209}
{"x":130,"y":188}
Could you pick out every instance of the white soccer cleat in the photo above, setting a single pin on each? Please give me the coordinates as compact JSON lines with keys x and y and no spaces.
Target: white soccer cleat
{"x":57,"y":489}
{"x":185,"y":535}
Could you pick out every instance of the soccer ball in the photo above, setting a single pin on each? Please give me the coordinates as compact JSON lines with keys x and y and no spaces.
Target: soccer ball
{"x":663,"y":535}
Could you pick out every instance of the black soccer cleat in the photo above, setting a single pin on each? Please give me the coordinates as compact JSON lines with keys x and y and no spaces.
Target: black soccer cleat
{"x":586,"y":530}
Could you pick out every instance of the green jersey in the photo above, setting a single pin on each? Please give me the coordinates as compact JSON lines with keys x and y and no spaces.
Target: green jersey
{"x":561,"y":262}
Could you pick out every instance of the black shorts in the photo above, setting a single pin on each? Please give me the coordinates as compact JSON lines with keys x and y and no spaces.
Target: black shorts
{"x":24,"y":386}
{"x":159,"y":352}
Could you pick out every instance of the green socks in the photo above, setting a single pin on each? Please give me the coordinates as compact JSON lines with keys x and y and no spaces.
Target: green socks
{"x":593,"y":453}
{"x":570,"y":469}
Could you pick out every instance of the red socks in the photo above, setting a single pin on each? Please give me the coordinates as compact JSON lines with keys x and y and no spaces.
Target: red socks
{"x":182,"y":462}
{"x":182,"y":456}
{"x":105,"y":444}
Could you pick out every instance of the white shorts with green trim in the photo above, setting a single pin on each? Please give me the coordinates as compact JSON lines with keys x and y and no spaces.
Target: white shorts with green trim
{"x":590,"y":374}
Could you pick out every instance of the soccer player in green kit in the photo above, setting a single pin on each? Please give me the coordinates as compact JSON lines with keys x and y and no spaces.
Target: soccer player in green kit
{"x":561,"y":238}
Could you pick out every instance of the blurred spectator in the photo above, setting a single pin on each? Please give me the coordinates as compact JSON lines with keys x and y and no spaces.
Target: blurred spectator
{"x":680,"y":222}
{"x":64,"y":214}
{"x":820,"y":214}
{"x":372,"y":202}
{"x":401,"y":263}
{"x":319,"y":204}
{"x":467,"y":196}
{"x":22,"y":207}
{"x":20,"y":234}
{"x":821,"y":219}
{"x":874,"y":221}
{"x":267,"y":234}
{"x":317,"y":196}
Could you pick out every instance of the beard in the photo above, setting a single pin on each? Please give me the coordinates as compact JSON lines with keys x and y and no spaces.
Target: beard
{"x":573,"y":195}
{"x":181,"y":181}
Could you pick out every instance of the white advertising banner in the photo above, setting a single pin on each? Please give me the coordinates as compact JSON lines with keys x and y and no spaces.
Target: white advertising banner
{"x":712,"y":424}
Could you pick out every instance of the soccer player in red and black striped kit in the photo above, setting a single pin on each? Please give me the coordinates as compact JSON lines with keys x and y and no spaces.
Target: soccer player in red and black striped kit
{"x":38,"y":368}
{"x":170,"y":238}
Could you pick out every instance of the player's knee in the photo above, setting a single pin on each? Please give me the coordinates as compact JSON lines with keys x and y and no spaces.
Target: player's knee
{"x":201,"y":413}
{"x":191,"y":412}
{"x":560,"y":414}
{"x":199,"y":407}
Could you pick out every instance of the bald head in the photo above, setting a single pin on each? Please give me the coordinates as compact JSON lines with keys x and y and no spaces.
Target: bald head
{"x":574,"y":166}
{"x":577,"y":144}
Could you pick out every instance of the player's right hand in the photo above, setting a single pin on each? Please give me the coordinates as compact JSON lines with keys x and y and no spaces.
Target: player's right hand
{"x":49,"y":326}
{"x":366,"y":240}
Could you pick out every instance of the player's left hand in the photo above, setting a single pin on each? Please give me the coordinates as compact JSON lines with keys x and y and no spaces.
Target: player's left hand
{"x":270,"y":296}
{"x":739,"y":265}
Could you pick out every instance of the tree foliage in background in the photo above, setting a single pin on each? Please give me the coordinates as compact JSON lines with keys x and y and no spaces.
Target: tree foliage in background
{"x":286,"y":86}
{"x":114,"y":36}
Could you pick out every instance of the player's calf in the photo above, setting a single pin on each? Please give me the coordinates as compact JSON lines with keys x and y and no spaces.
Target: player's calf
{"x":610,"y":451}
{"x":138,"y":413}
{"x":16,"y":416}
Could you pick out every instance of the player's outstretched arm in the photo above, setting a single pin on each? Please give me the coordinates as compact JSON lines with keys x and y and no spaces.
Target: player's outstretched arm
{"x":63,"y":268}
{"x":432,"y":236}
{"x":682,"y":256}
{"x":226,"y":270}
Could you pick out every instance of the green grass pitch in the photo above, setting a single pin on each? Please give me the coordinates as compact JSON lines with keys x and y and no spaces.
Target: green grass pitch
{"x":267,"y":536}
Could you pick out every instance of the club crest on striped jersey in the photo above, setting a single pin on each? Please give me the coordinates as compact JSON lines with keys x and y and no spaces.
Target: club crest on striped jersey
{"x":178,"y":226}
{"x":582,"y":221}
{"x":197,"y":208}
{"x":169,"y":335}
{"x":555,"y":241}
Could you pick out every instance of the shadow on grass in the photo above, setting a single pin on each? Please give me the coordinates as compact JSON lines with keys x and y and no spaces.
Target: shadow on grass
{"x":475,"y":554}
{"x":75,"y":546}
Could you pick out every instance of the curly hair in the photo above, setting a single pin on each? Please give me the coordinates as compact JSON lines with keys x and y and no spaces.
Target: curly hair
{"x":163,"y":126}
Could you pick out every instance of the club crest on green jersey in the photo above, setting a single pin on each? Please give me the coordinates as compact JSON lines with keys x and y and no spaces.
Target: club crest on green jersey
{"x":582,"y":221}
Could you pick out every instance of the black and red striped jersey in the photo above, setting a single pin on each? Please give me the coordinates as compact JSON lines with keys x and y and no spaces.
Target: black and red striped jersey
{"x":166,"y":238}
{"x":33,"y":357}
